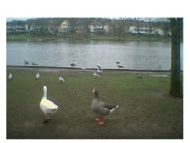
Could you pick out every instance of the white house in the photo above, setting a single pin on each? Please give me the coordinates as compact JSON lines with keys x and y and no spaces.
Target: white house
{"x":158,"y":31}
{"x":64,"y":27}
{"x":146,"y":30}
{"x":132,"y":29}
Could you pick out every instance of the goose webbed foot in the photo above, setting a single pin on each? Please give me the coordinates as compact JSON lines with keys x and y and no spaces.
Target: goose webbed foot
{"x":100,"y":121}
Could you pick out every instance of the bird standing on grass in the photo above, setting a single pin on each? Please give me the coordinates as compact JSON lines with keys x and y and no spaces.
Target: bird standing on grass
{"x":10,"y":77}
{"x":61,"y":79}
{"x":139,"y":75}
{"x":99,"y":69}
{"x":37,"y":76}
{"x":48,"y":107}
{"x":119,"y":65}
{"x":26,"y":62}
{"x":100,"y":108}
{"x":96,"y":75}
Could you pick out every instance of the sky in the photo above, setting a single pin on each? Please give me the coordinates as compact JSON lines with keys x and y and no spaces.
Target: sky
{"x":11,"y":19}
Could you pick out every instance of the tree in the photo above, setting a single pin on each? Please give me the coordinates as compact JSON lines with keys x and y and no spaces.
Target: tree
{"x":176,"y":29}
{"x":119,"y":27}
{"x":150,"y":26}
{"x":138,"y":25}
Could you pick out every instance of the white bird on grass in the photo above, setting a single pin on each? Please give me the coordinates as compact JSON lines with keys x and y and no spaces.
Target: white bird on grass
{"x":10,"y":76}
{"x":48,"y":107}
{"x":61,"y":79}
{"x":96,"y":75}
{"x":37,"y":75}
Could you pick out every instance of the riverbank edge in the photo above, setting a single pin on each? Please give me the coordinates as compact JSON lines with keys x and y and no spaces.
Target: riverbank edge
{"x":72,"y":37}
{"x":87,"y":69}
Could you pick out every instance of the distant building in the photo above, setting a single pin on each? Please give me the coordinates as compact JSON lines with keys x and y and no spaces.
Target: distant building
{"x":64,"y":27}
{"x":98,"y":27}
{"x":34,"y":28}
{"x":17,"y":28}
{"x":146,"y":30}
{"x":158,"y":31}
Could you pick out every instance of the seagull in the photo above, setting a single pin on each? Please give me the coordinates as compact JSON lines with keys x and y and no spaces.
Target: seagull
{"x":97,"y":75}
{"x":83,"y":69}
{"x":10,"y":76}
{"x":99,"y":70}
{"x":100,"y":108}
{"x":26,"y":62}
{"x":37,"y":75}
{"x":61,"y":79}
{"x":34,"y":64}
{"x":48,"y":107}
{"x":139,"y":75}
{"x":119,"y":66}
{"x":72,"y":64}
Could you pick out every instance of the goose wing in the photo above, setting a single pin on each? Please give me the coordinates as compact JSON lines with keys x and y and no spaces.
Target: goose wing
{"x":109,"y":106}
{"x":98,"y":108}
{"x":45,"y":103}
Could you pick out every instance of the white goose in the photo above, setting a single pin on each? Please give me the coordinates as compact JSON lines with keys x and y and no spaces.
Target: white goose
{"x":38,"y":75}
{"x":47,"y":106}
{"x":10,"y":76}
{"x":61,"y":79}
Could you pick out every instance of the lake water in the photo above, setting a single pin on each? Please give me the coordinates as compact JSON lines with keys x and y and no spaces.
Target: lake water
{"x":131,"y":55}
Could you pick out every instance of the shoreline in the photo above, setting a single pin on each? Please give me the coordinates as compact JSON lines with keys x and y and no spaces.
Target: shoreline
{"x":71,"y":37}
{"x":87,"y":69}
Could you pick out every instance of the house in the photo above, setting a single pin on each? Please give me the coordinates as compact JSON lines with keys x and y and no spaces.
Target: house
{"x":64,"y":27}
{"x":146,"y":30}
{"x":132,"y":29}
{"x":17,"y":27}
{"x":98,"y":27}
{"x":141,"y":30}
{"x":158,"y":31}
{"x":34,"y":28}
{"x":107,"y":28}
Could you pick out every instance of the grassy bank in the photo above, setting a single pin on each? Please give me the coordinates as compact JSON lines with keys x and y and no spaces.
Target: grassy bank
{"x":25,"y":37}
{"x":146,"y":110}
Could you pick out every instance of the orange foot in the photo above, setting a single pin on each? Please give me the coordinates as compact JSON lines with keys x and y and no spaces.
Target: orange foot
{"x":101,"y":123}
{"x":98,"y":119}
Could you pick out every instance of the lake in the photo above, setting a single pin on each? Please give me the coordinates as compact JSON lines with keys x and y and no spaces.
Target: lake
{"x":131,"y":55}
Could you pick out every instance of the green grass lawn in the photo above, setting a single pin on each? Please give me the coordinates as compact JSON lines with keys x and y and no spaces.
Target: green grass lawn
{"x":146,"y":109}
